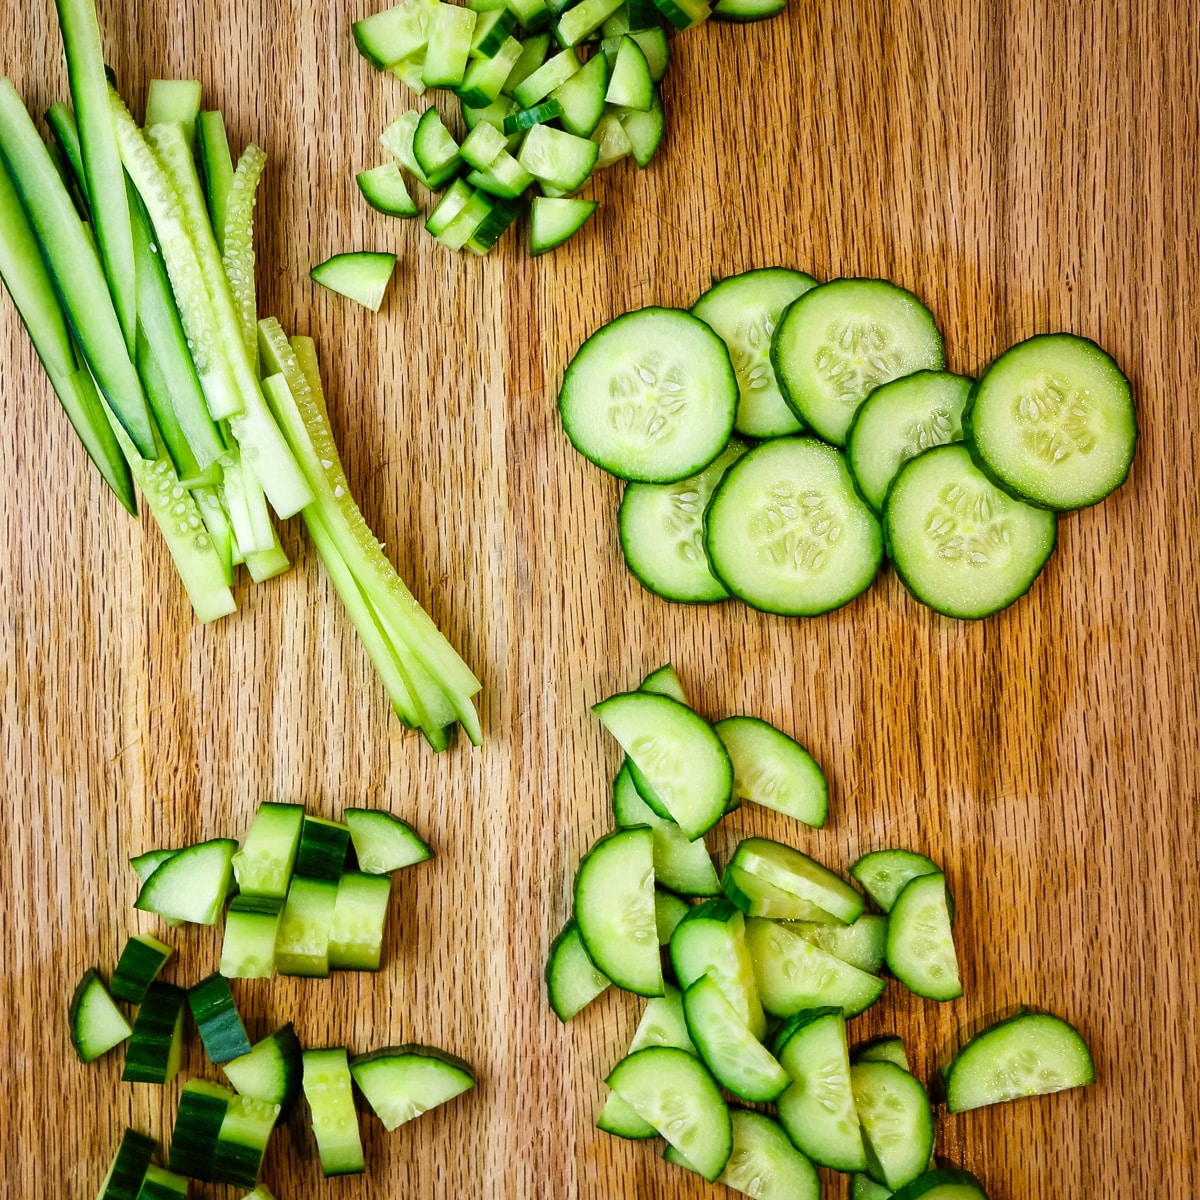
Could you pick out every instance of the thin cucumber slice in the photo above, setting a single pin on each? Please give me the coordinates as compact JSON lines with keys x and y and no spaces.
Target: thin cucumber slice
{"x":128,"y":1167}
{"x":644,"y":130}
{"x":757,"y":897}
{"x":631,"y":85}
{"x":961,"y":545}
{"x":883,"y":873}
{"x":669,"y":910}
{"x":946,"y":1184}
{"x":581,"y":97}
{"x":138,"y":967}
{"x":451,"y":32}
{"x":900,"y":420}
{"x":583,"y":19}
{"x":1052,"y":420}
{"x":862,"y":945}
{"x":384,"y":190}
{"x":264,"y":864}
{"x":302,"y":945}
{"x":96,"y":1023}
{"x":156,"y":1046}
{"x":191,"y":885}
{"x":572,"y":979}
{"x":1031,"y":1054}
{"x":799,"y":875}
{"x":553,"y":73}
{"x":271,"y":1071}
{"x":554,"y":221}
{"x":251,"y":931}
{"x":741,"y":11}
{"x":737,"y":1059}
{"x":617,"y":1118}
{"x":646,"y":791}
{"x":216,"y":163}
{"x":403,"y":1082}
{"x":556,"y":158}
{"x":398,"y":32}
{"x":323,"y":848}
{"x":435,"y":149}
{"x":774,"y":770}
{"x":397,"y":139}
{"x":920,"y":944}
{"x":449,"y":209}
{"x":217,"y":1020}
{"x":897,"y":1122}
{"x":837,"y":344}
{"x":744,"y":311}
{"x":383,"y":843}
{"x":614,"y":909}
{"x":787,"y":532}
{"x":792,"y":974}
{"x":818,"y":1109}
{"x":677,"y":751}
{"x":361,"y":276}
{"x":671,"y":1090}
{"x":662,"y":533}
{"x":330,"y":1095}
{"x":888,"y":1048}
{"x":711,"y":940}
{"x":359,"y":917}
{"x":679,"y":864}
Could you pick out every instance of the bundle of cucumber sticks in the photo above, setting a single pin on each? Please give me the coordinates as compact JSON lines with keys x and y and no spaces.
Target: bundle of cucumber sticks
{"x":135,"y":279}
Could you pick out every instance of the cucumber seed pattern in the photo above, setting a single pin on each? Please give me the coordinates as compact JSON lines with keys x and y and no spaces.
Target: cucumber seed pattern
{"x":683,"y":522}
{"x":858,"y":356}
{"x":637,"y":919}
{"x":795,"y":528}
{"x":1024,"y":1074}
{"x":969,"y":525}
{"x":921,"y":435}
{"x":647,"y":398}
{"x":656,"y":757}
{"x":1056,"y":420}
{"x":750,"y":348}
{"x":177,"y":501}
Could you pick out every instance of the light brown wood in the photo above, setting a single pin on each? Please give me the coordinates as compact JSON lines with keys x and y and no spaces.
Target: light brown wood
{"x":1024,"y":167}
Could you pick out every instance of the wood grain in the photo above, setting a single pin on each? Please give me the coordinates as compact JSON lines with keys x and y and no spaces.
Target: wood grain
{"x":1023,"y":167}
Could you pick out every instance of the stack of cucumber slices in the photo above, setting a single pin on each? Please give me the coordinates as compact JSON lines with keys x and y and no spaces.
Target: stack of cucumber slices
{"x":748,"y":992}
{"x":550,"y":92}
{"x":305,"y":895}
{"x":783,"y":437}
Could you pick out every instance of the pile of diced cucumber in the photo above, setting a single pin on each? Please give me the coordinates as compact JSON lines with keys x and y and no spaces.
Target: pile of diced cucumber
{"x":750,"y":977}
{"x":305,"y":896}
{"x":128,"y":252}
{"x":550,"y":91}
{"x":784,"y":437}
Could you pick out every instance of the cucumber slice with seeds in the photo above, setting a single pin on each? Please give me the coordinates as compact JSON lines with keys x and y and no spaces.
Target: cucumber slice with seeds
{"x":264,"y":864}
{"x":96,"y":1023}
{"x":330,"y":1095}
{"x":774,"y":770}
{"x":271,"y":1071}
{"x":451,"y":32}
{"x":361,"y":276}
{"x":862,"y":945}
{"x":156,"y":1045}
{"x":888,"y":1048}
{"x":756,"y":897}
{"x":799,"y":875}
{"x":920,"y":945}
{"x":359,"y":916}
{"x":402,"y":1083}
{"x":897,"y":1122}
{"x":883,"y":873}
{"x":302,"y":946}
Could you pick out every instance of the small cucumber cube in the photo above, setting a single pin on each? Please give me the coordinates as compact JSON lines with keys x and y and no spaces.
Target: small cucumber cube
{"x":560,"y":159}
{"x":264,"y":864}
{"x":302,"y":947}
{"x":402,"y":1082}
{"x":505,"y":178}
{"x":630,"y":85}
{"x":435,"y":150}
{"x":449,"y":208}
{"x":585,"y":18}
{"x":612,"y":139}
{"x":324,"y":846}
{"x":451,"y":31}
{"x":397,"y":138}
{"x":97,"y":1024}
{"x":551,"y":74}
{"x":128,"y":1168}
{"x":398,"y":32}
{"x":251,"y":929}
{"x":483,"y":145}
{"x":271,"y":1071}
{"x":644,"y":130}
{"x":359,"y":916}
{"x":468,"y":222}
{"x":492,"y":30}
{"x":410,"y":71}
{"x":138,"y":967}
{"x":330,"y":1096}
{"x":220,"y":1027}
{"x":492,"y":228}
{"x":156,"y":1046}
{"x":385,"y":191}
{"x":533,"y":14}
{"x":486,"y":77}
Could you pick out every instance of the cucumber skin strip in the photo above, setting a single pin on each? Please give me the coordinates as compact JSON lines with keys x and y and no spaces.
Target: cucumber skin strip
{"x":218,"y":169}
{"x":237,"y":244}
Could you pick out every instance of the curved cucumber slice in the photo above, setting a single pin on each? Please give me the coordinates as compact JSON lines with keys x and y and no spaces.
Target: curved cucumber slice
{"x":572,"y":979}
{"x":798,"y":875}
{"x":774,"y":770}
{"x":191,"y":884}
{"x":900,"y":420}
{"x":862,"y":945}
{"x":883,"y":873}
{"x":665,"y":682}
{"x":960,"y":544}
{"x":384,"y":190}
{"x":742,"y":11}
{"x":947,"y":1184}
{"x":403,"y":1082}
{"x":745,"y":310}
{"x":920,"y":945}
{"x":383,"y":843}
{"x":889,"y":1048}
{"x":662,"y":533}
{"x":614,"y":909}
{"x":737,"y":1059}
{"x":651,"y":396}
{"x":97,"y":1024}
{"x":1031,"y":1054}
{"x":362,"y":276}
{"x":1052,"y":419}
{"x":671,"y":1090}
{"x":787,"y":532}
{"x":758,"y":898}
{"x":818,"y":1109}
{"x":553,"y":221}
{"x":897,"y":1121}
{"x":681,"y":757}
{"x":839,"y":342}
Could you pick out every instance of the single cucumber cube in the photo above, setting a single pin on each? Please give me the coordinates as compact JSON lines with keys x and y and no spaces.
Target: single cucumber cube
{"x":449,"y":208}
{"x":631,"y":84}
{"x":216,"y":1015}
{"x":398,"y":32}
{"x":330,"y":1096}
{"x":644,"y":130}
{"x":486,"y":77}
{"x":361,"y":276}
{"x":359,"y":916}
{"x":435,"y":150}
{"x":505,"y":178}
{"x":96,"y":1023}
{"x":202,"y":1108}
{"x":502,"y":213}
{"x":271,"y":1071}
{"x":251,"y":929}
{"x":402,"y":1082}
{"x":156,"y":1046}
{"x":302,"y":947}
{"x":468,"y":222}
{"x":451,"y":32}
{"x":492,"y":30}
{"x":138,"y":967}
{"x":383,"y":843}
{"x":324,"y":846}
{"x":551,"y":74}
{"x":533,"y":14}
{"x":264,"y":864}
{"x":410,"y":71}
{"x":483,"y":145}
{"x":242,"y":1141}
{"x":191,"y":885}
{"x":397,"y":138}
{"x":385,"y":191}
{"x":612,"y":139}
{"x":128,"y":1168}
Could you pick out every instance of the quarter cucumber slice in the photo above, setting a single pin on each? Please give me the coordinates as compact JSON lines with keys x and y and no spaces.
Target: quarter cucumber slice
{"x":96,"y":1023}
{"x":191,"y":884}
{"x":1052,"y":420}
{"x":920,"y":944}
{"x":265,"y":862}
{"x":883,"y":873}
{"x":651,"y":396}
{"x":758,"y":898}
{"x":361,"y":276}
{"x":403,"y":1082}
{"x":156,"y":1046}
{"x":572,"y":979}
{"x":774,"y":770}
{"x":582,"y":97}
{"x":888,"y":1048}
{"x":553,"y":221}
{"x":383,"y":843}
{"x":897,"y":1122}
{"x":863,"y":1187}
{"x":385,"y":191}
{"x":947,"y":1184}
{"x":271,"y":1071}
{"x":1031,"y":1054}
{"x":401,"y":31}
{"x":631,"y":84}
{"x":799,"y":875}
{"x":787,"y":532}
{"x":671,"y":1090}
{"x":557,"y":159}
{"x":961,"y":545}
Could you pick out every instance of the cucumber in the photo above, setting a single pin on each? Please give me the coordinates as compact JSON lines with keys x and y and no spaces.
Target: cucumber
{"x":818,"y":1111}
{"x":741,"y":11}
{"x":436,"y":151}
{"x":384,"y":190}
{"x":583,"y":19}
{"x":1030,"y":1054}
{"x":669,"y":910}
{"x":138,"y":967}
{"x":883,"y":873}
{"x":217,"y":1020}
{"x":837,"y":343}
{"x":271,"y":1071}
{"x":799,"y":875}
{"x":242,"y":1141}
{"x":920,"y":944}
{"x":1052,"y":421}
{"x":96,"y":1023}
{"x":198,"y":1121}
{"x":581,"y":97}
{"x":888,"y":1048}
{"x":651,"y":396}
{"x":383,"y":843}
{"x":483,"y":145}
{"x":665,"y":681}
{"x":946,"y":1184}
{"x":264,"y":864}
{"x":900,"y":420}
{"x":897,"y":1122}
{"x":756,"y":897}
{"x":401,"y":31}
{"x":553,"y":73}
{"x":557,"y":159}
{"x":128,"y":1167}
{"x":330,"y":1095}
{"x":323,"y":848}
{"x":191,"y":885}
{"x":744,"y":310}
{"x":156,"y":1044}
{"x":677,"y":751}
{"x":671,"y":1090}
{"x":643,"y":130}
{"x":554,"y":221}
{"x":773,"y":770}
{"x":302,"y":945}
{"x":631,"y":84}
{"x":361,"y":276}
{"x":451,"y":32}
{"x":792,"y":974}
{"x":492,"y":30}
{"x":863,"y":1187}
{"x":486,"y":77}
{"x":572,"y":979}
{"x":160,"y":1184}
{"x":862,"y":945}
{"x":401,"y":1083}
{"x":662,"y":533}
{"x":612,"y":139}
{"x":787,"y":532}
{"x":505,"y":178}
{"x":251,"y":931}
{"x":614,"y":909}
{"x":960,"y":544}
{"x":526,"y":118}
{"x":359,"y":917}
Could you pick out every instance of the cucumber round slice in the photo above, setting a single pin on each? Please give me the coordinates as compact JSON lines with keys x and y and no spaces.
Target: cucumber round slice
{"x":839,"y":342}
{"x":920,"y":945}
{"x":1031,"y":1054}
{"x":799,"y":875}
{"x":774,"y":770}
{"x":614,"y":909}
{"x":897,"y":1122}
{"x":673,"y":1092}
{"x":403,"y":1082}
{"x":662,"y":533}
{"x":745,"y":311}
{"x":362,"y":276}
{"x":1052,"y":420}
{"x":960,"y":544}
{"x":883,"y":873}
{"x":900,"y":420}
{"x":947,"y":1184}
{"x":650,"y":397}
{"x":384,"y":190}
{"x":787,"y":532}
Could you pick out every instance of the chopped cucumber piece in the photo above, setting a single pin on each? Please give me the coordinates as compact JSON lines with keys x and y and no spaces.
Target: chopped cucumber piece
{"x":553,"y":73}
{"x":216,"y":163}
{"x":160,"y":1184}
{"x":684,"y":14}
{"x":502,"y":213}
{"x":897,"y":1122}
{"x":799,"y":875}
{"x":237,"y":245}
{"x":156,"y":1046}
{"x":242,"y":1141}
{"x":920,"y":943}
{"x":533,"y":54}
{"x":581,"y":97}
{"x":128,"y":1167}
{"x":302,"y":946}
{"x":486,"y":77}
{"x":323,"y":848}
{"x":435,"y":149}
{"x":665,"y":682}
{"x":757,"y":897}
{"x":527,"y":118}
{"x":191,"y":885}
{"x":403,"y":1082}
{"x":572,"y":979}
{"x":631,"y":84}
{"x":863,"y":1187}
{"x":330,"y":1096}
{"x":947,"y":1184}
{"x":359,"y":917}
{"x":265,"y":863}
{"x":217,"y":1020}
{"x":505,"y":178}
{"x":251,"y":931}
{"x":361,"y":276}
{"x":396,"y":33}
{"x":888,"y":1048}
{"x":741,"y":11}
{"x":560,"y":160}
{"x":583,"y":19}
{"x":554,"y":221}
{"x":644,"y":130}
{"x":533,"y":14}
{"x":271,"y":1071}
{"x":492,"y":30}
{"x":202,"y":1109}
{"x":138,"y":967}
{"x":451,"y":32}
{"x":612,"y":139}
{"x":385,"y":191}
{"x":383,"y":843}
{"x":483,"y":145}
{"x":862,"y":945}
{"x":883,"y":873}
{"x":669,"y":910}
{"x":774,"y":770}
{"x":96,"y":1023}
{"x":397,"y":139}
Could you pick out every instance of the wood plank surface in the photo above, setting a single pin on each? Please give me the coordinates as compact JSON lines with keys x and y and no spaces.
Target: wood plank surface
{"x":1024,"y":167}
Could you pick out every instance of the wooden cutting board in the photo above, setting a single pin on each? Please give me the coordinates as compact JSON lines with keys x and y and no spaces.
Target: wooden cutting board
{"x":1024,"y":168}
